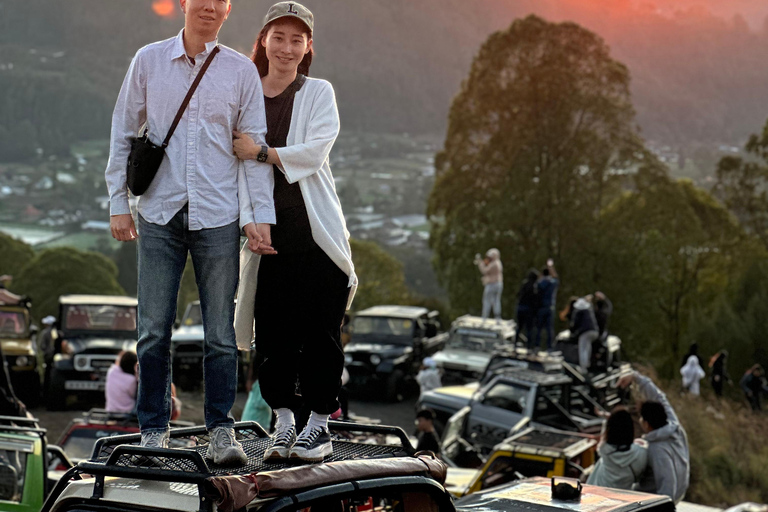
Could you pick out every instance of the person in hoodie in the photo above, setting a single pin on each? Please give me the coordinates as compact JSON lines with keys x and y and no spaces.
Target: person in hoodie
{"x":669,"y":464}
{"x":527,"y":305}
{"x":584,"y":328}
{"x":623,"y":459}
{"x":692,"y":373}
{"x":493,"y":282}
{"x":720,"y":376}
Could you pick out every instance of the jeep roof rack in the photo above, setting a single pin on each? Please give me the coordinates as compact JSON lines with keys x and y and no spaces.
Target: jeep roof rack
{"x":121,"y":456}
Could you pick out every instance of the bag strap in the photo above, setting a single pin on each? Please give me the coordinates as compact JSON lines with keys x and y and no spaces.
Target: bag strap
{"x":188,"y":97}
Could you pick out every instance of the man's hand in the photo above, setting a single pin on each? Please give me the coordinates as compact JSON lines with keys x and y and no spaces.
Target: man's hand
{"x":123,"y":228}
{"x":265,"y":230}
{"x":244,"y":146}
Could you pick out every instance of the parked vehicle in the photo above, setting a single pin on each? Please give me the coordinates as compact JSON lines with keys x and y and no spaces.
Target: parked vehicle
{"x":543,"y":495}
{"x":359,"y":477}
{"x":17,"y":335}
{"x":515,"y":397}
{"x":387,"y":347}
{"x":25,"y":459}
{"x":471,"y":342}
{"x":94,"y":330}
{"x":80,"y":436}
{"x":187,"y":351}
{"x":535,"y":451}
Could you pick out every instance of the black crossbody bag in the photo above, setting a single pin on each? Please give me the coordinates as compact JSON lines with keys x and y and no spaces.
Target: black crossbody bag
{"x":145,"y":156}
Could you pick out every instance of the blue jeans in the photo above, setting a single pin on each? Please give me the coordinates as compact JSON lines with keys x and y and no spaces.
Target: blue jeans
{"x":545,"y":319}
{"x":492,"y":299}
{"x":162,"y":256}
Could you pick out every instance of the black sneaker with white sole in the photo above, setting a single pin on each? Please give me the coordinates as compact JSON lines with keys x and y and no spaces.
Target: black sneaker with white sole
{"x":282,"y":441}
{"x":312,"y":445}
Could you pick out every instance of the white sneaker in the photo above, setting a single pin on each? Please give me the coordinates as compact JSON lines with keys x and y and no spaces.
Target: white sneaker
{"x":155,"y":439}
{"x":282,"y":441}
{"x":312,"y":445}
{"x":224,"y":449}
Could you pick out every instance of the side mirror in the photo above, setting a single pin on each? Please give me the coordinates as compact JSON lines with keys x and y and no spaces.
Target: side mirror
{"x":34,"y":329}
{"x":176,"y":323}
{"x":431,"y":330}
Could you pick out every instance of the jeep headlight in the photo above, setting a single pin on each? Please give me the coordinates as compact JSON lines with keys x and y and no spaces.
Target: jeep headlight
{"x":375,"y":359}
{"x":81,"y":363}
{"x":347,"y":359}
{"x":22,"y":361}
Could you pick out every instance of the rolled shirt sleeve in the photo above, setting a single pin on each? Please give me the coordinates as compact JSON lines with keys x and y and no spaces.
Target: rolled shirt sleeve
{"x":129,"y":115}
{"x":256,"y":182}
{"x":302,"y":160}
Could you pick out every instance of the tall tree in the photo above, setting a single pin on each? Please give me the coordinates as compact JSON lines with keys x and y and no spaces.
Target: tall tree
{"x":742,"y":184}
{"x":16,"y":254}
{"x":538,"y":138}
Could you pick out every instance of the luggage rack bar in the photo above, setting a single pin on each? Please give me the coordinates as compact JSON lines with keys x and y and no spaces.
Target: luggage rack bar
{"x":255,"y":441}
{"x":121,"y":456}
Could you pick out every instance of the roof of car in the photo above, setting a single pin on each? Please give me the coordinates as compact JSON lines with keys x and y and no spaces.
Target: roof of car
{"x":533,"y":376}
{"x":109,"y":300}
{"x":394,"y":311}
{"x":548,"y":442}
{"x":505,"y":327}
{"x":534,"y":494}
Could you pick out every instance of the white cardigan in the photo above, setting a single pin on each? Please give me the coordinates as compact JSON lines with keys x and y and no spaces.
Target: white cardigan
{"x":314,"y":128}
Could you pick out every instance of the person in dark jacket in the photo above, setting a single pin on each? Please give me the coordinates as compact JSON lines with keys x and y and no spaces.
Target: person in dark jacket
{"x":545,"y":316}
{"x":584,"y":329}
{"x":603,"y":311}
{"x":719,"y":371}
{"x":428,"y":438}
{"x":527,"y":306}
{"x":753,"y":384}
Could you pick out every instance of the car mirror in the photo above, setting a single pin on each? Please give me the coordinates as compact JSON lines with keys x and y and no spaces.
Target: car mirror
{"x":33,"y":329}
{"x":176,"y":323}
{"x":431,"y":330}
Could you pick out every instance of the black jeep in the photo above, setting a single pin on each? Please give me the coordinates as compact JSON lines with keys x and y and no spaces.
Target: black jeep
{"x":387,"y":347}
{"x":94,"y":330}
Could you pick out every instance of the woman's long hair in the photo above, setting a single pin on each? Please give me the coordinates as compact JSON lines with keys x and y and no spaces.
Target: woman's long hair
{"x":259,"y":56}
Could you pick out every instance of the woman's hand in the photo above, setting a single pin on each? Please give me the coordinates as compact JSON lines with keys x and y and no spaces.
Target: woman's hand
{"x":244,"y":146}
{"x":259,"y":238}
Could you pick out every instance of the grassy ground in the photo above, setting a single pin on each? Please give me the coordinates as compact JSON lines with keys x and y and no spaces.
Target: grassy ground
{"x":728,"y":445}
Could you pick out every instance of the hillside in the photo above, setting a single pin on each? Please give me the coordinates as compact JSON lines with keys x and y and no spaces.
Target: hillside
{"x":698,"y":77}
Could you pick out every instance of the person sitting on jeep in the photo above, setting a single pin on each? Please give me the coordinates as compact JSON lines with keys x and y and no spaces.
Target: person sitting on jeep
{"x":669,"y":465}
{"x":623,"y":458}
{"x":428,"y":376}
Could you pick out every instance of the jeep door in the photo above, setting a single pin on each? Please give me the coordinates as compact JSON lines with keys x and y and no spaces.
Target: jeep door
{"x":499,"y":408}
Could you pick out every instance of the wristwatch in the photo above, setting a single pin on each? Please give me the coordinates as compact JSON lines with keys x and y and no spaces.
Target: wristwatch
{"x":263,"y":154}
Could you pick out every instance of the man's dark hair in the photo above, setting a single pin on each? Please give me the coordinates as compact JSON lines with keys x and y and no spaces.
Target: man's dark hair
{"x":427,"y":414}
{"x":545,"y":271}
{"x":620,"y":429}
{"x":259,"y":56}
{"x":128,"y":362}
{"x":654,"y":414}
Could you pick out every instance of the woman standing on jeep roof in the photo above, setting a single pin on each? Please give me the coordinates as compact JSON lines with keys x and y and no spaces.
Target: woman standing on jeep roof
{"x":306,"y":278}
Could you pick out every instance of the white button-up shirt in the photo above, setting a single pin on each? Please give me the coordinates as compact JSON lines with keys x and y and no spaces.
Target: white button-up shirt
{"x":200,"y":168}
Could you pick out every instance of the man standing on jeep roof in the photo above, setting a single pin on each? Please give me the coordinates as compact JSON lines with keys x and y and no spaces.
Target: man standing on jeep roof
{"x":191,"y":207}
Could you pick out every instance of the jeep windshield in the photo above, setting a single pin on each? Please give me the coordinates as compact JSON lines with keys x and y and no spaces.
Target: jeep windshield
{"x":369,"y":329}
{"x":13,"y":324}
{"x":478,"y":340}
{"x":120,"y":320}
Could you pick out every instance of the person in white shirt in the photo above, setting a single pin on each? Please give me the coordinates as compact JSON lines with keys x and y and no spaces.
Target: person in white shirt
{"x":307,"y":282}
{"x":191,"y":207}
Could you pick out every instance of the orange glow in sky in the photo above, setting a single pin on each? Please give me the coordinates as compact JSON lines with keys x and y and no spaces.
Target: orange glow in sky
{"x":164,"y":8}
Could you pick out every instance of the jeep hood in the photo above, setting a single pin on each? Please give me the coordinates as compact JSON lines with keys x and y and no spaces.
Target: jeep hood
{"x":16,"y":347}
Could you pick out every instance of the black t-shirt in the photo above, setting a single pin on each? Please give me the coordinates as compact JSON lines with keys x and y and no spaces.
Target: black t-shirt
{"x":428,"y":441}
{"x":292,"y":233}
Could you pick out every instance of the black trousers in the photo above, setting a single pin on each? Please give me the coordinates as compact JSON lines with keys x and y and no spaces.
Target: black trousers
{"x":300,"y":303}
